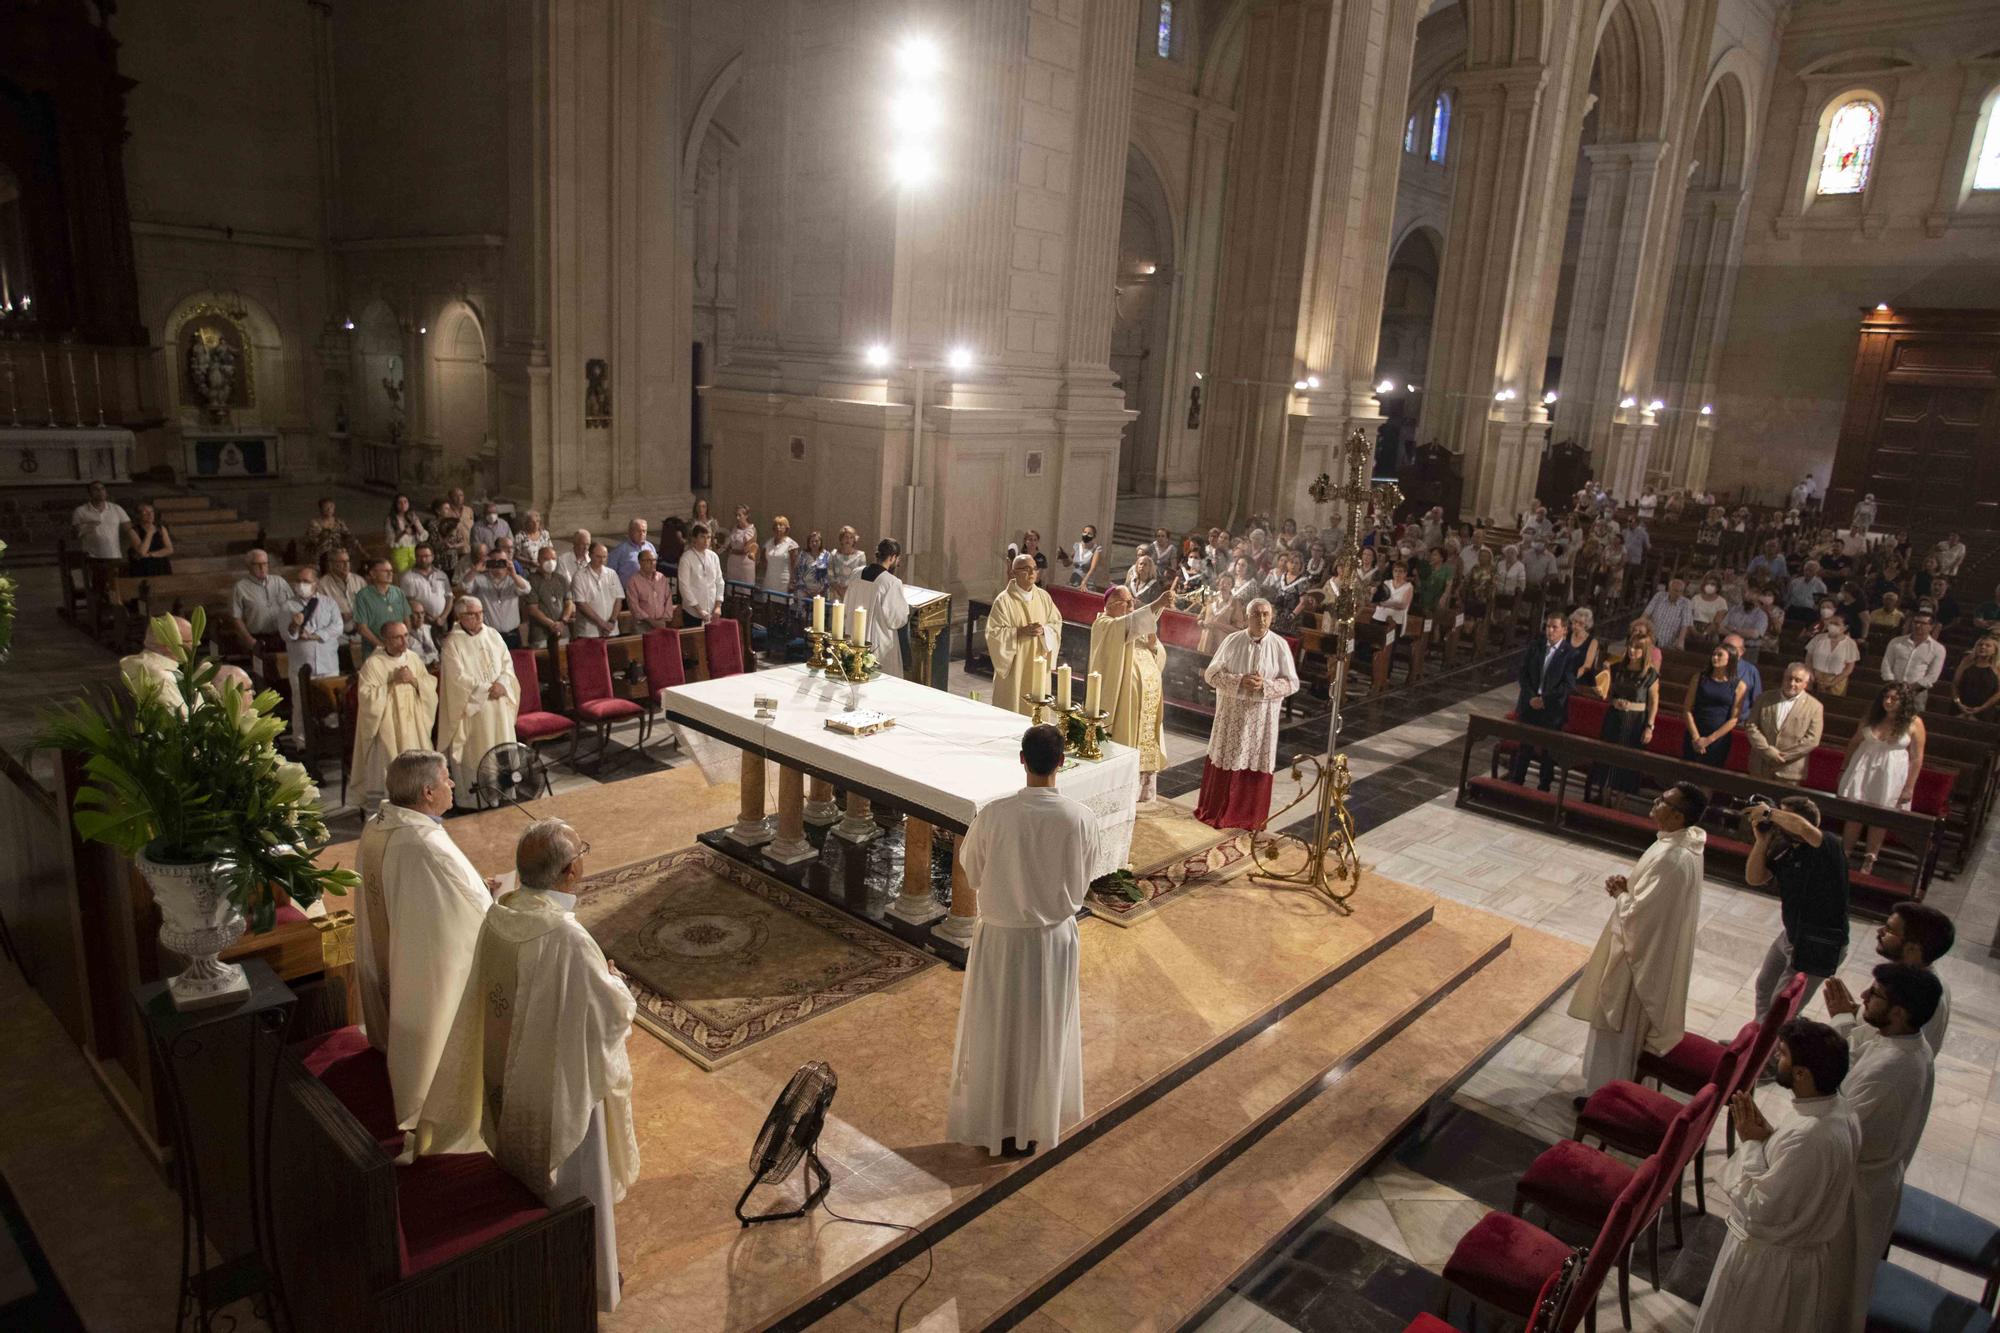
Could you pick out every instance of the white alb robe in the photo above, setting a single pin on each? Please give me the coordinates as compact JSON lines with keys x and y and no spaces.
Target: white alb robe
{"x":1789,"y":1198}
{"x":1021,"y":666}
{"x":416,"y":924}
{"x":1888,"y":1088}
{"x":1245,"y":734}
{"x":888,"y":611}
{"x":389,"y":717}
{"x":319,"y":655}
{"x":151,"y":671}
{"x":469,"y":722}
{"x":1634,"y":990}
{"x":535,"y":1066}
{"x":1017,"y":1066}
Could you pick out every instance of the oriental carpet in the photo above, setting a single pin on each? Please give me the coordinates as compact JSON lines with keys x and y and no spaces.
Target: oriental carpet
{"x":720,"y":957}
{"x":1173,"y":853}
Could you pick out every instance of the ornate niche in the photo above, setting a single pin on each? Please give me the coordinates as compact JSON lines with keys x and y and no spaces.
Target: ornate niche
{"x":217,"y":375}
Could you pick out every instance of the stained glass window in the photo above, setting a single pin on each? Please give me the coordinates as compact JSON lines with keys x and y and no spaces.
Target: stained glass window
{"x":1850,"y":148}
{"x":1986,"y":176}
{"x":1440,"y":126}
{"x":1410,"y":136}
{"x":1165,"y":44}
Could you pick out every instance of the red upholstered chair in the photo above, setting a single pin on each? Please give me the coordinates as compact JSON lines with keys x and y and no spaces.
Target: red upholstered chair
{"x":358,"y":1076}
{"x":1548,"y":1305}
{"x":661,"y":652}
{"x":1631,"y":1119}
{"x":724,"y":642}
{"x":1691,"y":1065}
{"x":596,"y":702}
{"x":535,"y":722}
{"x":1586,"y":715}
{"x":1507,"y":1262}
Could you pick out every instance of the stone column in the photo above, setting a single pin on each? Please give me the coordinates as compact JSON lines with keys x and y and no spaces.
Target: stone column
{"x":964,"y":904}
{"x":751,"y":828}
{"x":820,"y":809}
{"x":1704,"y":277}
{"x":1701,"y":448}
{"x":1628,"y":452}
{"x":791,"y":845}
{"x":915,"y":903}
{"x":858,"y":825}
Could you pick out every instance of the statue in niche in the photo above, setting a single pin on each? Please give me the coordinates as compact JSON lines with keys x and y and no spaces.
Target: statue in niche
{"x":1194,"y":408}
{"x":392,"y":388}
{"x":597,"y":394}
{"x":211,"y":368}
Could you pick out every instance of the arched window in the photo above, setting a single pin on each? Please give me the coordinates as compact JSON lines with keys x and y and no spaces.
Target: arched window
{"x":1164,"y":39}
{"x":1986,"y":175}
{"x":1410,"y":136}
{"x":1850,"y":147}
{"x":1440,"y":126}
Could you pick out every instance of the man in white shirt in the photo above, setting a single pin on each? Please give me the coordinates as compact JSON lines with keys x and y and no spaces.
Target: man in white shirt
{"x":1511,"y":578}
{"x":1672,"y":614}
{"x":99,"y":525}
{"x":598,"y":595}
{"x":700,"y":577}
{"x":1950,"y":554}
{"x":1915,"y":659}
{"x":262,"y":602}
{"x":1017,"y":1066}
{"x":427,"y":586}
{"x":577,"y":556}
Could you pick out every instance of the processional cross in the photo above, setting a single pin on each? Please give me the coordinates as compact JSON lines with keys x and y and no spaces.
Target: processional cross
{"x":1333,"y":827}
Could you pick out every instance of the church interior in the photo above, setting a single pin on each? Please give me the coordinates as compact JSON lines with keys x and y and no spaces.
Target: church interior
{"x":845,"y":664}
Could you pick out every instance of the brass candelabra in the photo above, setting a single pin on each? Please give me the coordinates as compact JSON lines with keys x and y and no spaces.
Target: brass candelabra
{"x":1083,"y":733}
{"x":840,"y":659}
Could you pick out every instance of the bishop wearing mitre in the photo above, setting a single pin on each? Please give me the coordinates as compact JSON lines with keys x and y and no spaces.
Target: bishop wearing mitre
{"x":1252,"y":674}
{"x":416,"y":923}
{"x":478,"y":694}
{"x":535,"y":1065}
{"x":880,"y":593}
{"x":1023,"y":635}
{"x":1126,"y":655}
{"x":1634,"y":989}
{"x":396,"y":707}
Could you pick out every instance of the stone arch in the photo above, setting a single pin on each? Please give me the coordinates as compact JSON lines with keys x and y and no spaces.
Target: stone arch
{"x":1505,"y":32}
{"x":1142,"y":319}
{"x":1403,"y":350}
{"x":269,"y":376}
{"x":1631,"y":73}
{"x":459,"y":407}
{"x":1731,"y":94}
{"x":720,"y":86}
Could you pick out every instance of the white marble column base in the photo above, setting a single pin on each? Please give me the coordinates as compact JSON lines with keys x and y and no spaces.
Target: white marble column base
{"x":916,"y":911}
{"x":821,"y":813}
{"x":752,"y":833}
{"x":790,"y":853}
{"x":857,"y":828}
{"x":957,"y":929}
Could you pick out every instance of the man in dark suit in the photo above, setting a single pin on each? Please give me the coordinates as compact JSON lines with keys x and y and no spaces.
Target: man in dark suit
{"x":1548,"y":673}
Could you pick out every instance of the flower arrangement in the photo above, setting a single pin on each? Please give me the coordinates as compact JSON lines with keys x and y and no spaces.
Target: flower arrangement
{"x":6,"y":610}
{"x":200,"y":783}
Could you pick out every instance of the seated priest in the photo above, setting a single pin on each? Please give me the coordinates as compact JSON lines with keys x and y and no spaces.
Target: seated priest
{"x":156,"y":667}
{"x":395,"y":710}
{"x":879,"y":593}
{"x":312,"y":641}
{"x":1023,"y":636}
{"x":416,"y":923}
{"x":535,"y":1064}
{"x":478,"y":694}
{"x":1126,"y":654}
{"x":1252,"y":675}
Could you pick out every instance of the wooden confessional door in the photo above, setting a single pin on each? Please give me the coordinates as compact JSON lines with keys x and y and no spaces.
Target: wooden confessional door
{"x":1922,"y":425}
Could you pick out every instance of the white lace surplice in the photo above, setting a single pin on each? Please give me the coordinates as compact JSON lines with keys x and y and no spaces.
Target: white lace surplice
{"x":1246,"y":727}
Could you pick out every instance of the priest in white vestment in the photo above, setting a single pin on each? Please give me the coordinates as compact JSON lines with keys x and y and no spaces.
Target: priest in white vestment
{"x":1889,"y":1083}
{"x":395,"y":710}
{"x":1634,"y":990}
{"x":880,"y":593}
{"x":1126,"y":654}
{"x":416,"y":922}
{"x":1788,"y":1192}
{"x":1252,"y":675}
{"x":535,"y":1065}
{"x":479,"y":696}
{"x":157,"y":666}
{"x":1017,"y":1066}
{"x":312,"y":641}
{"x":1023,"y":636}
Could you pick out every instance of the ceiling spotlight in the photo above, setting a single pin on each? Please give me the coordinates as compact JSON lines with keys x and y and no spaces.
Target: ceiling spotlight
{"x":959,"y":358}
{"x":423,"y":329}
{"x":877,"y":355}
{"x":1628,"y":401}
{"x":1655,"y":406}
{"x":1550,"y":397}
{"x":919,"y":57}
{"x":1708,"y":409}
{"x":347,"y":324}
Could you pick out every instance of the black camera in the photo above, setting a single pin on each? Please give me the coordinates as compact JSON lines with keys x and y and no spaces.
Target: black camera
{"x":1757,"y":812}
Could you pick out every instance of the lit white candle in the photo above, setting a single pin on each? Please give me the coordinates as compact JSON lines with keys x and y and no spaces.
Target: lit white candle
{"x":861,"y":624}
{"x":819,"y":615}
{"x":839,"y":618}
{"x":1091,"y":692}
{"x":1063,"y":696}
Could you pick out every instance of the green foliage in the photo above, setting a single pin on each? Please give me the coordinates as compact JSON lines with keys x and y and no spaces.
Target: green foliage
{"x":202,"y":784}
{"x":6,"y":609}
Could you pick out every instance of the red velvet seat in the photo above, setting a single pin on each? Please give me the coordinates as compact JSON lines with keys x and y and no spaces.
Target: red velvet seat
{"x":1669,"y":734}
{"x":1585,"y":716}
{"x":596,"y":703}
{"x":453,"y":1203}
{"x":724,"y":642}
{"x":1629,"y":1118}
{"x":535,"y":722}
{"x":661,"y":650}
{"x":358,"y":1076}
{"x":1694,"y":1061}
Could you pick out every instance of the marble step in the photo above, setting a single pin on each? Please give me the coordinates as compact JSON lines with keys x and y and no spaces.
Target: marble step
{"x":1180,"y":1267}
{"x":1030,"y":1243}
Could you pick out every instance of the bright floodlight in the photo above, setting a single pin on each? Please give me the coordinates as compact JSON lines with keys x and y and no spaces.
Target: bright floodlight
{"x":919,"y":57}
{"x":1708,"y":409}
{"x":1655,"y":405}
{"x":1386,"y":386}
{"x":1628,"y":401}
{"x":1312,"y":381}
{"x":1549,"y":397}
{"x":1299,"y":385}
{"x":959,"y":358}
{"x":915,"y":111}
{"x":910,"y":164}
{"x":877,"y":355}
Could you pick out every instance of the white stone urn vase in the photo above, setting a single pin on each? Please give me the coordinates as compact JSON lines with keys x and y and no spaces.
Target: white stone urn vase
{"x":199,"y":922}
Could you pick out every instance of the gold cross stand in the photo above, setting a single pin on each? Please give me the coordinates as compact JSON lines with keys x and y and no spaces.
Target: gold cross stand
{"x":1330,"y":856}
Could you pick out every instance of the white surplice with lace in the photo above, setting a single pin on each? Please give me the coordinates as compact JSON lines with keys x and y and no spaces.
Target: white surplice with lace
{"x":1245,"y":735}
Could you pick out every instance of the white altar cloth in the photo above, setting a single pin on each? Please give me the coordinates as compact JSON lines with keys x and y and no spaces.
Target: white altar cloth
{"x":945,"y":758}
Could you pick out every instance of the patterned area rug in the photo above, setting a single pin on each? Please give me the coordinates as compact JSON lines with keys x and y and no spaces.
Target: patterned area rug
{"x":1168,"y":835}
{"x":1208,"y":857}
{"x":720,"y":958}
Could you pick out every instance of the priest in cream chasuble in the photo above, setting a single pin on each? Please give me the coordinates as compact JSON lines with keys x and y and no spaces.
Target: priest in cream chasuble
{"x":395,"y":709}
{"x":479,"y":695}
{"x":1023,"y":635}
{"x":1126,"y":654}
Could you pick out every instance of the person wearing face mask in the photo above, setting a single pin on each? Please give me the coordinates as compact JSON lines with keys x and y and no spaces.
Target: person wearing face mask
{"x":1083,"y":558}
{"x":1832,"y":653}
{"x":1749,"y":620}
{"x":548,"y":611}
{"x":312,"y":641}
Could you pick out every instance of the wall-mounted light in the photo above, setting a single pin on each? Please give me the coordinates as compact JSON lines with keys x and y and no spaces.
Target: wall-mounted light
{"x":959,"y":358}
{"x":1413,"y":388}
{"x":1549,"y":398}
{"x":1312,"y":381}
{"x":877,"y":356}
{"x":915,"y":112}
{"x":1628,"y":401}
{"x":1708,"y":409}
{"x":1655,"y":406}
{"x":347,"y":324}
{"x":423,"y":330}
{"x":919,"y":57}
{"x":1882,"y":307}
{"x":1298,"y":386}
{"x":1386,"y":386}
{"x":1149,"y":269}
{"x":1506,"y":396}
{"x":1197,"y":374}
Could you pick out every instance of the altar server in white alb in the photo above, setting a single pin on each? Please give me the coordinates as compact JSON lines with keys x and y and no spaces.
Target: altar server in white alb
{"x":1125,"y":653}
{"x":479,"y":696}
{"x":1252,"y":675}
{"x":1634,"y":989}
{"x":416,"y":922}
{"x":535,"y":1066}
{"x":1017,"y":1068}
{"x":312,"y":641}
{"x":1023,"y":636}
{"x":1789,"y":1192}
{"x":1889,"y":1083}
{"x":880,"y":593}
{"x":395,"y":709}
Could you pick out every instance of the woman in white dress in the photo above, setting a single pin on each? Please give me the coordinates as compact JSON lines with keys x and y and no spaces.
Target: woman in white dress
{"x":739,"y":559}
{"x":1883,"y":761}
{"x":843,"y":566}
{"x":778,"y":556}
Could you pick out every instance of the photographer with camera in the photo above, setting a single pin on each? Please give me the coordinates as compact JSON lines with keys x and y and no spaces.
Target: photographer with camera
{"x":1811,"y":873}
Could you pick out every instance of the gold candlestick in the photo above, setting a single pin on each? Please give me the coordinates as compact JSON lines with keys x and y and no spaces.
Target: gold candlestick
{"x":1042,"y":705}
{"x":819,"y":659}
{"x":1083,"y":733}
